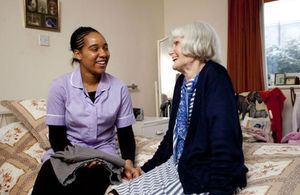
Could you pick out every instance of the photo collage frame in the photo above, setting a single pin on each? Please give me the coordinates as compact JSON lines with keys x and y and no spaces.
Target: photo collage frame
{"x":42,"y":14}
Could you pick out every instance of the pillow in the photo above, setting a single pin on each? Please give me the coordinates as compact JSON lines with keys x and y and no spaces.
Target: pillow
{"x":32,"y":113}
{"x":20,"y":159}
{"x":256,"y":129}
{"x":253,"y":112}
{"x":251,"y":104}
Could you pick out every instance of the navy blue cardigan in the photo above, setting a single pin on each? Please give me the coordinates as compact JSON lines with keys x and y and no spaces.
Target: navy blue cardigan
{"x":212,"y":160}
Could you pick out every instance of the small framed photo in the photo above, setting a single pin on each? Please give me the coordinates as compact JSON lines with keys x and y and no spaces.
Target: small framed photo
{"x":42,"y":14}
{"x":42,"y":6}
{"x":34,"y":19}
{"x":292,"y":80}
{"x":279,"y":79}
{"x":50,"y":22}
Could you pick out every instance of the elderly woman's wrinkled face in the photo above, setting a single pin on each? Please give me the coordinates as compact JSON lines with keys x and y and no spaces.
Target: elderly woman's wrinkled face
{"x":181,"y":61}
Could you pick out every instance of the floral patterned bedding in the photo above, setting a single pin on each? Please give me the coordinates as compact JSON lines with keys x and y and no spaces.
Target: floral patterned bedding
{"x":20,"y":159}
{"x":273,"y":168}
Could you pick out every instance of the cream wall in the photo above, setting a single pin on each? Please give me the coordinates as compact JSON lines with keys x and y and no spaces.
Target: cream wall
{"x":214,"y":12}
{"x":131,"y":28}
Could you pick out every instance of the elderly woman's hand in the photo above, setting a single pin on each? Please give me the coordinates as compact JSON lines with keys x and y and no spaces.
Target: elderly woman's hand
{"x":141,"y":172}
{"x":129,"y":171}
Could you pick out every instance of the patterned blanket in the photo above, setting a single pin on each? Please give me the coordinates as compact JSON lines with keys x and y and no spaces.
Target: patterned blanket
{"x":273,"y":168}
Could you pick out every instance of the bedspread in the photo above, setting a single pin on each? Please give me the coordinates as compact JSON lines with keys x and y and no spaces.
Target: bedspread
{"x":273,"y":168}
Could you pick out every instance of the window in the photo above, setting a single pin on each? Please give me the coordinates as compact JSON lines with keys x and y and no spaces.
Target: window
{"x":282,"y":38}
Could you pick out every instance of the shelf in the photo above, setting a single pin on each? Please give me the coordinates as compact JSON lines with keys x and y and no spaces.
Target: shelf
{"x":284,"y":86}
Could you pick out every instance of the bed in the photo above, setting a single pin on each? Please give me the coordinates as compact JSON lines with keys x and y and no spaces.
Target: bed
{"x":273,"y":168}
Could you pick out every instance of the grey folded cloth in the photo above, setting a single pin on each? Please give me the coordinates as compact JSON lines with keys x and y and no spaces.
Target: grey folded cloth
{"x":65,"y":163}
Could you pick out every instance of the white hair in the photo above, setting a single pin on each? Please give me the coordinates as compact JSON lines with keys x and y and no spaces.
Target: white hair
{"x":199,"y":40}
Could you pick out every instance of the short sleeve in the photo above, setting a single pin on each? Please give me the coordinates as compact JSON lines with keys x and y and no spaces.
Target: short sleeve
{"x":56,"y":104}
{"x":125,"y":116}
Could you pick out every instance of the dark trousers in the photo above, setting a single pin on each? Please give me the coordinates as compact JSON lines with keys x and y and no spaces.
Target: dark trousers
{"x":93,"y":180}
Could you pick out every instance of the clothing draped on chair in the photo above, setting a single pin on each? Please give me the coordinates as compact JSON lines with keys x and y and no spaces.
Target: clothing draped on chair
{"x":274,"y":99}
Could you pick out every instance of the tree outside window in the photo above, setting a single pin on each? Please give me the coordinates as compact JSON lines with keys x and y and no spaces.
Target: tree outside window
{"x":282,"y":37}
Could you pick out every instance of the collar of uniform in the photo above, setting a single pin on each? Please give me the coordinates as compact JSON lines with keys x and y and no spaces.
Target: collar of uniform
{"x":76,"y":81}
{"x":104,"y":83}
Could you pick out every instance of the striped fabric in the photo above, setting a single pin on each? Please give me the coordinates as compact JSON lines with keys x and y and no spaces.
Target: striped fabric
{"x":191,"y":101}
{"x":162,"y":180}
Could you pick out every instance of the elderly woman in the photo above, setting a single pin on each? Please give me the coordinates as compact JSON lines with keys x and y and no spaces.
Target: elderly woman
{"x":202,"y":149}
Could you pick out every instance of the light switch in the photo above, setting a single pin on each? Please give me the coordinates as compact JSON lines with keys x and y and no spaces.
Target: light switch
{"x":44,"y":40}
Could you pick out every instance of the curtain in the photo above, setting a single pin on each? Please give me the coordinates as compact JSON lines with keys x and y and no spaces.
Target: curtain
{"x":245,"y":58}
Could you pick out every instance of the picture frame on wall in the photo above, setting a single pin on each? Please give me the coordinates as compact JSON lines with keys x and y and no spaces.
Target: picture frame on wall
{"x":279,"y":79}
{"x":42,"y":14}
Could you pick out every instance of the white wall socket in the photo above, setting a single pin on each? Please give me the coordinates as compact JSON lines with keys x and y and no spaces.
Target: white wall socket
{"x":44,"y":40}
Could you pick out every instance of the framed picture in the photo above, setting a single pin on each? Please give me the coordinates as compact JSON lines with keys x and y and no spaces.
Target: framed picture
{"x":279,"y":79}
{"x":292,"y":80}
{"x":42,"y":14}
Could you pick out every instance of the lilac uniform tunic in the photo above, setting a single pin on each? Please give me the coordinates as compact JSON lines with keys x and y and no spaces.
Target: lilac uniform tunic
{"x":89,"y":124}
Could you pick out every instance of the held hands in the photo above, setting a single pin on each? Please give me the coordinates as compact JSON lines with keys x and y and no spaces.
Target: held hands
{"x":130,"y":172}
{"x":140,"y":170}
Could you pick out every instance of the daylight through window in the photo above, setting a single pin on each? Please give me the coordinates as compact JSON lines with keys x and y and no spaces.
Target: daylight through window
{"x":282,"y":38}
